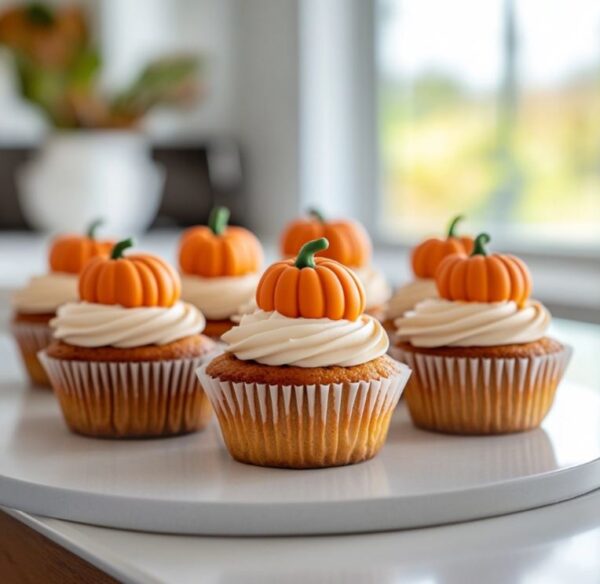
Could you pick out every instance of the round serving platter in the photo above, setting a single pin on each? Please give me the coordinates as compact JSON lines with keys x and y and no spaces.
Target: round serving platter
{"x":189,"y":484}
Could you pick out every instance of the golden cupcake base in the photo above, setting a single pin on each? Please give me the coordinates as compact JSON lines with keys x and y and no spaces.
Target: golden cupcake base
{"x":131,"y":399}
{"x":303,"y":426}
{"x":32,"y":338}
{"x":481,"y":395}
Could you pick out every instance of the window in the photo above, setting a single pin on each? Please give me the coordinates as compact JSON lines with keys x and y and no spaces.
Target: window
{"x":491,"y":109}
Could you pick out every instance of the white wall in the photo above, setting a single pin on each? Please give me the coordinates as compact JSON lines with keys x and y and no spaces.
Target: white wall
{"x":200,"y":27}
{"x":267,"y":110}
{"x":281,"y":76}
{"x":131,"y":32}
{"x":337,"y":106}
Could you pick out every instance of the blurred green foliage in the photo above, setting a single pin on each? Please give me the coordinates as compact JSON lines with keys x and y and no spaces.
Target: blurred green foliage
{"x":446,"y":150}
{"x":57,"y":69}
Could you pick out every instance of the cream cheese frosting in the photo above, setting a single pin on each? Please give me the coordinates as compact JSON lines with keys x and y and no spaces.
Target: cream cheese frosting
{"x":219,"y":298}
{"x":86,"y":324}
{"x":246,"y":308}
{"x":44,"y":294}
{"x":273,"y":339}
{"x":377,"y":289}
{"x":409,"y":295}
{"x":444,"y":323}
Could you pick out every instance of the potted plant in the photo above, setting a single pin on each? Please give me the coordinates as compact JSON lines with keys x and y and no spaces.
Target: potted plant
{"x":96,"y":161}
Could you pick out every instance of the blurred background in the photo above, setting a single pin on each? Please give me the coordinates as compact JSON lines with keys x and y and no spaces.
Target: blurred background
{"x":400,"y":113}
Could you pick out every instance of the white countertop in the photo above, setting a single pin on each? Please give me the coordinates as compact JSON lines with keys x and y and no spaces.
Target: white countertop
{"x":554,"y":544}
{"x":551,"y":545}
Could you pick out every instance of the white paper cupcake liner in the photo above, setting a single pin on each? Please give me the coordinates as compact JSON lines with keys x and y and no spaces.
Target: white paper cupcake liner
{"x":481,"y":395}
{"x":32,"y":338}
{"x":129,"y":399}
{"x":304,"y":425}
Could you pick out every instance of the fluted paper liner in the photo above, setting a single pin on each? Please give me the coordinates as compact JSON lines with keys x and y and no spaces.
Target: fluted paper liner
{"x":129,"y":399}
{"x":461,"y":395}
{"x":304,"y":426}
{"x":32,"y":338}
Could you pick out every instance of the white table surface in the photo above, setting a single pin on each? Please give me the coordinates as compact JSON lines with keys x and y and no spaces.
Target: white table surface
{"x":554,"y":544}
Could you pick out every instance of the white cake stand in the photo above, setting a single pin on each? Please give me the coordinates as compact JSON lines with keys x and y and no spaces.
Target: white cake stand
{"x":190,"y":485}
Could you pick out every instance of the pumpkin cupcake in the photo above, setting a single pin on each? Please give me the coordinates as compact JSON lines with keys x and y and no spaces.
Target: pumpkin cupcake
{"x":305,"y":381}
{"x":482,"y":361}
{"x":36,"y":304}
{"x":349,"y":244}
{"x":123,"y":360}
{"x":425,"y":259}
{"x":220,"y":267}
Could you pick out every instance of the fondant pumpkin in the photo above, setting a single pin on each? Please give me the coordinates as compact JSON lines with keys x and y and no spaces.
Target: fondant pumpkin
{"x":349,"y":243}
{"x":311,"y":287}
{"x":69,"y":253}
{"x":131,"y":281}
{"x":426,"y":256}
{"x":218,"y":249}
{"x":483,"y":278}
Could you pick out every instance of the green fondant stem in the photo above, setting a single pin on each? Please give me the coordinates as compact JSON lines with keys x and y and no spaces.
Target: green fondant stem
{"x":479,"y":244}
{"x":453,"y":224}
{"x":316,"y":214}
{"x":120,"y":247}
{"x":91,"y":231}
{"x":218,"y":220}
{"x":306,"y":255}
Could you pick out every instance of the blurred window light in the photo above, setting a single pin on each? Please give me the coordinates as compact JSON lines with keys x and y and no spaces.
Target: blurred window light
{"x":491,"y":109}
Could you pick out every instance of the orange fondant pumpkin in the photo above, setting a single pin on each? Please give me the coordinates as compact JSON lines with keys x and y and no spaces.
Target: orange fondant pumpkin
{"x":132,"y":281}
{"x":69,"y":253}
{"x":218,"y":249}
{"x":483,"y":278}
{"x":349,"y":243}
{"x":426,"y":256}
{"x":311,"y":287}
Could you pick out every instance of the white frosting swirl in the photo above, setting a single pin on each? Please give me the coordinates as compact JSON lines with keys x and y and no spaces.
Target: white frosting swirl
{"x":44,"y":294}
{"x":219,"y":298}
{"x":246,"y":308}
{"x":273,"y":339}
{"x":87,"y":324}
{"x":377,"y":289}
{"x":409,"y":295}
{"x":438,"y":323}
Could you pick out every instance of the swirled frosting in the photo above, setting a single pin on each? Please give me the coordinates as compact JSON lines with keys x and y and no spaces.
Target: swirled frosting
{"x":246,"y":308}
{"x":409,"y":295}
{"x":273,"y":339}
{"x":219,"y":298}
{"x":44,"y":294}
{"x":377,"y":289}
{"x":87,"y":324}
{"x":437,"y":323}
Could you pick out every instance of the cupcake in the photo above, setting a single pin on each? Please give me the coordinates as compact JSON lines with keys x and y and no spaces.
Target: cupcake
{"x":305,"y":381}
{"x":349,"y":244}
{"x":123,"y":359}
{"x":220,"y":268}
{"x":425,"y":259}
{"x":481,"y":359}
{"x":36,"y":304}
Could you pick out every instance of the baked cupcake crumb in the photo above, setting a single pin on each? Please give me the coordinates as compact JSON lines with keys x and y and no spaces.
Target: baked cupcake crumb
{"x":216,"y":328}
{"x":33,"y":318}
{"x":227,"y":367}
{"x":186,"y":348}
{"x":544,"y":346}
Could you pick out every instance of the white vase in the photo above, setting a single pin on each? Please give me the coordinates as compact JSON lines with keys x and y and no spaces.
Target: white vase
{"x":79,"y":176}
